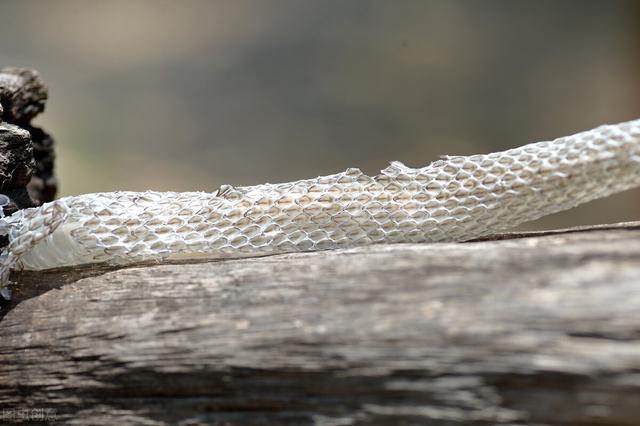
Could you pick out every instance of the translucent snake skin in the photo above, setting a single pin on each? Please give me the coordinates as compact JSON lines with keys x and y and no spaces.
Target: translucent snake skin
{"x":453,"y":199}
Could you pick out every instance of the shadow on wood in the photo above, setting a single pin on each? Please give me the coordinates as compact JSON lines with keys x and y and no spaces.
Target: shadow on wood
{"x":539,"y":329}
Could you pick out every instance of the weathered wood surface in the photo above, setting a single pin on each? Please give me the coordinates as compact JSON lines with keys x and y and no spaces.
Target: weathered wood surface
{"x":533,"y":329}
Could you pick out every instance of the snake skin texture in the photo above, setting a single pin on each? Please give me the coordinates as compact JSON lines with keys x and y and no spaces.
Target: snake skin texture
{"x":453,"y":199}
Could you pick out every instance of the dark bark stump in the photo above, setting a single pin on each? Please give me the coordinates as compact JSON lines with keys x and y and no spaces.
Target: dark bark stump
{"x":26,"y":152}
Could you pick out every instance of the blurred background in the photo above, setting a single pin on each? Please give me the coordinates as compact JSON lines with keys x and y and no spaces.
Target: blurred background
{"x":191,"y":94}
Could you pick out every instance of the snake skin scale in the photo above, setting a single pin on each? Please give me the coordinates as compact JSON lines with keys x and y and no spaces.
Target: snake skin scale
{"x":453,"y":199}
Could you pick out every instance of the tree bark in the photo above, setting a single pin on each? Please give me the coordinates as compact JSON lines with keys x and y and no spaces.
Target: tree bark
{"x":26,"y":152}
{"x":522,"y":329}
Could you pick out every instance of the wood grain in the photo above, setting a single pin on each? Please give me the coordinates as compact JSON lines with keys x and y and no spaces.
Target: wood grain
{"x":524,"y":329}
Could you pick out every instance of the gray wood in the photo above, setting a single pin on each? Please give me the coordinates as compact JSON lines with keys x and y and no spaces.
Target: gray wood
{"x":535,"y":329}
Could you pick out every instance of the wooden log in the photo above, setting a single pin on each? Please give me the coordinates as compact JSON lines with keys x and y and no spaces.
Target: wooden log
{"x":526,"y":329}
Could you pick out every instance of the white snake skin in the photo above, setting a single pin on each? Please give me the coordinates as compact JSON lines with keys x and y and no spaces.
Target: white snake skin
{"x":453,"y":199}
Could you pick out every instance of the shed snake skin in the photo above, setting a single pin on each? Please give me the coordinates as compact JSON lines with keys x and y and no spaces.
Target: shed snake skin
{"x":453,"y":199}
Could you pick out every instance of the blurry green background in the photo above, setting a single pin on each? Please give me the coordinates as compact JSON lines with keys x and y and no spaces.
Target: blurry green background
{"x":188,"y":95}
